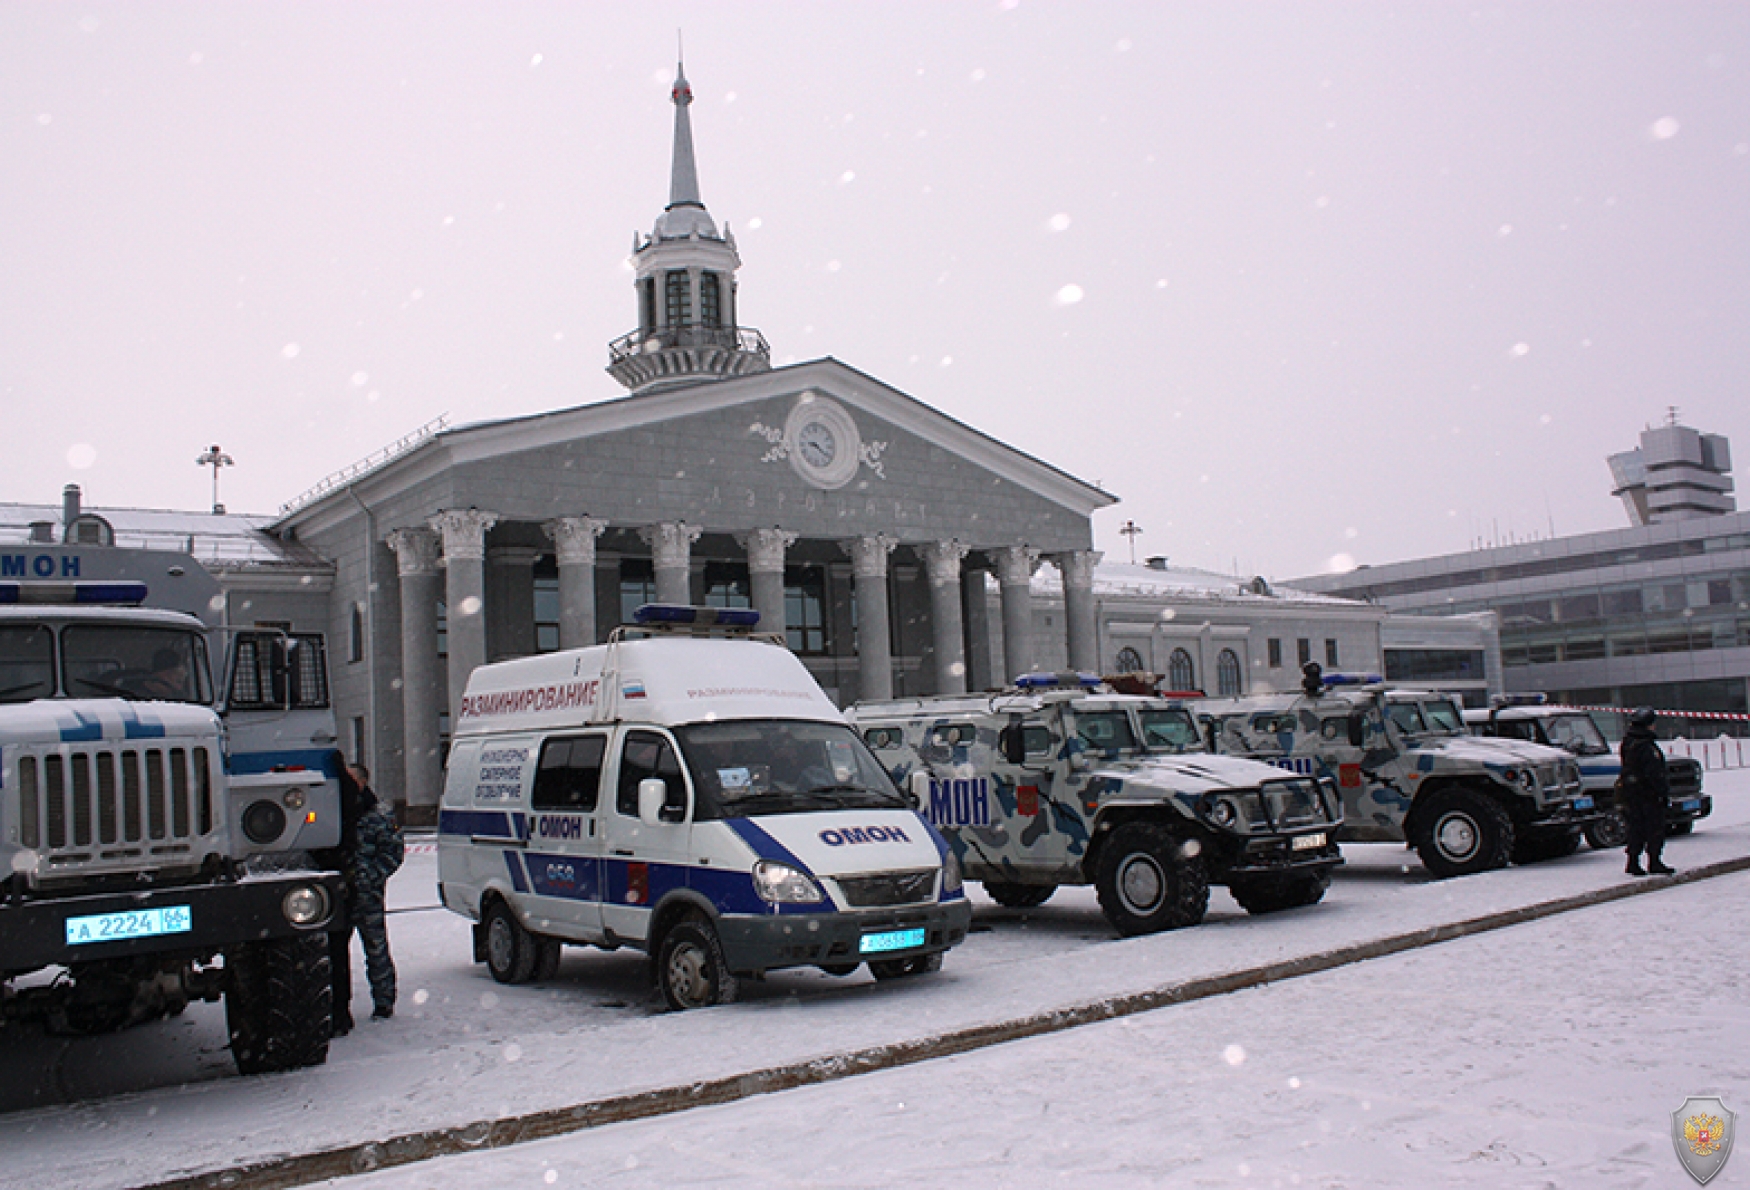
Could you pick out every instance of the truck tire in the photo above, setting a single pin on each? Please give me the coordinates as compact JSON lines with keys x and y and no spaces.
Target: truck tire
{"x":1679,"y":828}
{"x":922,"y":964}
{"x":1463,"y":832}
{"x":1268,"y":894}
{"x":1608,"y":833}
{"x":512,"y":953}
{"x":1149,"y":881}
{"x":1531,"y":849}
{"x":1018,"y":896}
{"x":691,"y":969}
{"x":278,"y":999}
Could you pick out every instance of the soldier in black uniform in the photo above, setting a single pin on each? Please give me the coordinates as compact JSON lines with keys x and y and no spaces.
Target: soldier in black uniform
{"x":371,"y":849}
{"x":1645,"y":790}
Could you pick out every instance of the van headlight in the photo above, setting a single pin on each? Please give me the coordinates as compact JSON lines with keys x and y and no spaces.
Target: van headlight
{"x":783,"y":885}
{"x":950,"y":873}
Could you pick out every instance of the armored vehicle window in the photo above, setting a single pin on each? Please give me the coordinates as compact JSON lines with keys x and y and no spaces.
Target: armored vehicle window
{"x":1443,"y":717}
{"x":1334,"y":728}
{"x":884,"y":738}
{"x":647,"y":754}
{"x":1169,"y":729}
{"x":133,"y":661}
{"x":1037,"y":739}
{"x":1407,"y":717}
{"x":1577,"y":733}
{"x":1105,"y":731}
{"x":27,"y":662}
{"x":1275,"y":724}
{"x":951,"y":735}
{"x":1514,"y":729}
{"x":570,"y":774}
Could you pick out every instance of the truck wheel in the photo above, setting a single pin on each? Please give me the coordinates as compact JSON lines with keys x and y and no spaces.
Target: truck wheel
{"x":691,"y":968}
{"x":1267,"y":894}
{"x":1608,"y":833}
{"x":1147,"y":882}
{"x":1463,"y":832}
{"x":1018,"y":896}
{"x":921,"y":964}
{"x":1531,"y":849}
{"x":1679,"y":828}
{"x":277,"y":1003}
{"x":511,"y":951}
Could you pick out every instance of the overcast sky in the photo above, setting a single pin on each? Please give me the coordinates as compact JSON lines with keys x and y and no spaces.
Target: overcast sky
{"x":1296,"y":281}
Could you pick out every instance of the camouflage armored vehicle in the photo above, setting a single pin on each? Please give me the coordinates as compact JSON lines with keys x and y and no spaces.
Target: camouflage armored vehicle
{"x":1527,"y":717}
{"x":1062,"y":781}
{"x":1409,"y":772}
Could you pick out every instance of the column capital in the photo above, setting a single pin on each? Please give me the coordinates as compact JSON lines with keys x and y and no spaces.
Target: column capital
{"x":943,"y":559}
{"x":765,"y":549}
{"x":416,"y":551}
{"x":464,"y":532}
{"x":1077,"y":567}
{"x":574,"y":537}
{"x":670,"y":542}
{"x":1016,"y":564}
{"x":869,"y":554}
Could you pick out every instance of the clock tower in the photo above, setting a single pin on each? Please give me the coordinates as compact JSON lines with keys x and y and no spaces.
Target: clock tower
{"x":684,"y":276}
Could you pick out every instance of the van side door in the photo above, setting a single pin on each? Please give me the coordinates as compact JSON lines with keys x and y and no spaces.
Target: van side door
{"x":565,"y":835}
{"x":642,"y":862}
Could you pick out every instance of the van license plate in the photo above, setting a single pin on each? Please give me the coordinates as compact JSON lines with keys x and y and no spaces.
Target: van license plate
{"x":1582,"y":803}
{"x":890,"y":940}
{"x":119,"y":927}
{"x":1689,"y":805}
{"x":1309,"y":842}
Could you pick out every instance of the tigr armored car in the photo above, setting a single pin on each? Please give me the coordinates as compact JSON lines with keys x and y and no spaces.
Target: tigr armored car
{"x":1062,"y":781}
{"x":1409,"y":772}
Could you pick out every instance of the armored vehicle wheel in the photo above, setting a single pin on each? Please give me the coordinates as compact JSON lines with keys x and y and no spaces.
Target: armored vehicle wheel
{"x":1609,"y":832}
{"x":1530,"y":849}
{"x":839,"y":969}
{"x":1018,"y":896}
{"x":1463,"y":832}
{"x":512,"y":953}
{"x":277,"y":1003}
{"x":547,"y":951}
{"x":922,"y":964}
{"x":1149,"y":880}
{"x":1678,"y":828}
{"x":691,"y":969}
{"x":1267,"y":894}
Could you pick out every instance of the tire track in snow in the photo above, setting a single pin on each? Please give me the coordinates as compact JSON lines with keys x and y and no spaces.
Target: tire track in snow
{"x":409,"y":1148}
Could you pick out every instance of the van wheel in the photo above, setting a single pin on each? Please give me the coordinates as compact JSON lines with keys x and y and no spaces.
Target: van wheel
{"x":511,"y":951}
{"x":691,"y":969}
{"x":1150,"y":880}
{"x":1018,"y":896}
{"x":1608,"y":833}
{"x":921,"y":964}
{"x":547,"y":951}
{"x":1463,"y":832}
{"x":1267,"y":894}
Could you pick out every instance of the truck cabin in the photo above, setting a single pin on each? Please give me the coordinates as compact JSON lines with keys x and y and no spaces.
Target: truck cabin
{"x":52,"y":656}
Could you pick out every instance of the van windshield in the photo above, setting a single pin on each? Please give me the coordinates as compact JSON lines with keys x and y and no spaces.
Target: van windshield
{"x":744,"y":767}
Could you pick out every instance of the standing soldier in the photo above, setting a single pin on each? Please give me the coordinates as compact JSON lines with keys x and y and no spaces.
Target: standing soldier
{"x":377,"y":856}
{"x":1645,"y":789}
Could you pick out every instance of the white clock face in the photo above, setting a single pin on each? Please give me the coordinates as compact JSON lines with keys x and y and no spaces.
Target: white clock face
{"x":817,"y":444}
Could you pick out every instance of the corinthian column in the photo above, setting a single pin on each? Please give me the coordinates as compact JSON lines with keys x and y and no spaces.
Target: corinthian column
{"x":464,"y":535}
{"x":1015,"y":566}
{"x":874,"y":652}
{"x":765,"y":568}
{"x":671,"y":547}
{"x":1081,"y":623}
{"x":943,"y":559}
{"x":416,"y":559}
{"x":573,"y":539}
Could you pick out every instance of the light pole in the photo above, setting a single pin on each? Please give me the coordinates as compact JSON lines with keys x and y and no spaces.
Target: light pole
{"x":216,"y":458}
{"x":1129,"y":528}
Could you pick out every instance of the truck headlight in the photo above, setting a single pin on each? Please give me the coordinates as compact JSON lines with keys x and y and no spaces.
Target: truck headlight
{"x":950,"y":873}
{"x":783,"y":885}
{"x":306,"y":905}
{"x":1223,"y":812}
{"x":263,"y":822}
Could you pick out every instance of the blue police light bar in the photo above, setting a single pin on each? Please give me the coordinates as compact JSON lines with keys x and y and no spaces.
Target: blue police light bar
{"x":88,"y":593}
{"x":1057,"y":681}
{"x":1348,"y":679}
{"x":680,"y":613}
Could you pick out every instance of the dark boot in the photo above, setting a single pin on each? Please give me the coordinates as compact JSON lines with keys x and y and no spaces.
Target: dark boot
{"x":1657,"y":866}
{"x":1634,"y":866}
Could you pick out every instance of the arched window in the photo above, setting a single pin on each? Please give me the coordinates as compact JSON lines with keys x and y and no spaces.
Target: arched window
{"x":710,"y":301}
{"x":1181,"y":674}
{"x":1129,"y":661}
{"x":679,"y":295}
{"x":1227,"y":674}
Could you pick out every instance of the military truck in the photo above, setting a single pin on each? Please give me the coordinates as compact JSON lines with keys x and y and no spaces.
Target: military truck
{"x":1528,"y":717}
{"x":1059,"y":780}
{"x":1409,"y":772}
{"x":154,"y":853}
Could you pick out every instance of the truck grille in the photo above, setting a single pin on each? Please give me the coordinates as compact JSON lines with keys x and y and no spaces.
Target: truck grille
{"x":889,"y":888}
{"x":1295,"y":803}
{"x":103,"y":809}
{"x":1684,"y":776}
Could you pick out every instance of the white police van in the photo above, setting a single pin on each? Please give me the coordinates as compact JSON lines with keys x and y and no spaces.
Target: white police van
{"x":686,"y":789}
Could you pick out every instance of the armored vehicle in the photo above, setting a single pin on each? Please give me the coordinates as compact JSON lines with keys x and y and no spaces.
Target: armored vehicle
{"x":1527,"y":717}
{"x":1410,"y":773}
{"x":1060,"y":780}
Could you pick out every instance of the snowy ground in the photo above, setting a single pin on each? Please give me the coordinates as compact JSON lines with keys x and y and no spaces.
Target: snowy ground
{"x":1547,"y":1054}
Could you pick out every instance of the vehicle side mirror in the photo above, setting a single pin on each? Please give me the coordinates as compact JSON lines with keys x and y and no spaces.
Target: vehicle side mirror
{"x":1013,"y":742}
{"x":1357,"y":731}
{"x":918,"y":788}
{"x":652,"y":799}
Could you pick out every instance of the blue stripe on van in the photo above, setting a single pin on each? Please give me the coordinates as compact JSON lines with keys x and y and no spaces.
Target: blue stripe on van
{"x":487,"y":824}
{"x":572,"y":877}
{"x":513,"y":861}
